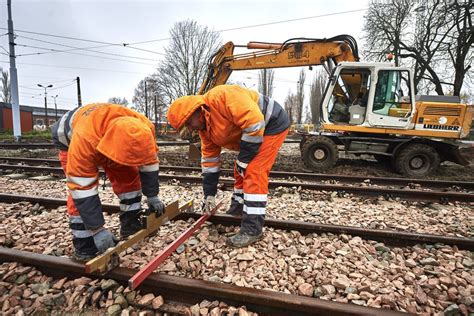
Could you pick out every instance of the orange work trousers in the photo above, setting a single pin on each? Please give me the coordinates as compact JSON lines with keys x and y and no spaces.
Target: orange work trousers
{"x":124,"y":179}
{"x":255,"y":180}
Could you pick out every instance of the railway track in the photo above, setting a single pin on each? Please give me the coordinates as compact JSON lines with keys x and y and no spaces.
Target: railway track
{"x":4,"y":145}
{"x":316,"y":255}
{"x":190,"y":291}
{"x":389,"y":237}
{"x":430,"y":184}
{"x":227,"y":184}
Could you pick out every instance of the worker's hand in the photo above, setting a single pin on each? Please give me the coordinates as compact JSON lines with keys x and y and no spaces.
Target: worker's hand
{"x":208,"y":204}
{"x":155,"y":205}
{"x":104,"y":239}
{"x":240,"y":167}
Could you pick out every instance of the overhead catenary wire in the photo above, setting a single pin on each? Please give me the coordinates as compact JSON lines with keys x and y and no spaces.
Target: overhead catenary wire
{"x":41,"y":96}
{"x":74,"y":48}
{"x":82,"y":54}
{"x":64,"y":86}
{"x":86,"y":40}
{"x":260,"y":25}
{"x":51,"y":78}
{"x":81,"y":68}
{"x":129,"y":45}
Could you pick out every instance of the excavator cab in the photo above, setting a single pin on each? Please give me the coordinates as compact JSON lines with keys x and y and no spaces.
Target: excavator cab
{"x":369,"y":95}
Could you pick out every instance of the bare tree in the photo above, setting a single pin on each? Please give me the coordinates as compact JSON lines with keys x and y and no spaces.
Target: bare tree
{"x":290,"y":106}
{"x":144,"y":103}
{"x":316,"y":95}
{"x":461,"y":13}
{"x":300,"y":97}
{"x":5,"y":89}
{"x":265,"y":82}
{"x":433,"y":37}
{"x":185,"y":63}
{"x":118,"y":100}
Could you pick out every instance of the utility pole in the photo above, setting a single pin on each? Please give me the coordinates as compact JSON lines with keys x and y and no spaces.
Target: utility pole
{"x":55,"y":106}
{"x":45,"y":103}
{"x":13,"y":77}
{"x":146,"y":102}
{"x":79,"y":100}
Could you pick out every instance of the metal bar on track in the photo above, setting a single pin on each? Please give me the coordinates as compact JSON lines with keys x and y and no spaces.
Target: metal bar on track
{"x":141,"y":275}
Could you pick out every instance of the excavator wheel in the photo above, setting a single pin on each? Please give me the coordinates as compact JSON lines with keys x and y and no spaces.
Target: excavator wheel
{"x":416,"y":160}
{"x":319,"y":153}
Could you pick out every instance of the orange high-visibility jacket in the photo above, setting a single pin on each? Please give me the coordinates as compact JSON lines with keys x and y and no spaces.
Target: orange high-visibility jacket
{"x":236,"y":119}
{"x":103,"y":134}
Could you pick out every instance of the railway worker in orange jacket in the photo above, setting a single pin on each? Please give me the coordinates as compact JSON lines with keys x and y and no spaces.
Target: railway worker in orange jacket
{"x":241,"y":120}
{"x":123,"y":143}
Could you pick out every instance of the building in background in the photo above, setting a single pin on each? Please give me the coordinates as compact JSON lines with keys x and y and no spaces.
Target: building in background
{"x":32,"y":117}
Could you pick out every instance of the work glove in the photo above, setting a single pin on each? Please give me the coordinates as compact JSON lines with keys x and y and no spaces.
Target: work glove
{"x":104,"y":239}
{"x":155,"y":205}
{"x":240,"y":167}
{"x":208,"y":204}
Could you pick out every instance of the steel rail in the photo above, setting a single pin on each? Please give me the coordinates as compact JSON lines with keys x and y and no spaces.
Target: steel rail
{"x":4,"y":145}
{"x":191,"y":291}
{"x":52,"y":146}
{"x":468,"y":185}
{"x":227,"y":184}
{"x":390,"y":237}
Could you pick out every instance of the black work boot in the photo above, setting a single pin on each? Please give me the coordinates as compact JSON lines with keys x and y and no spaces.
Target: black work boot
{"x":130,"y":223}
{"x":250,"y":231}
{"x":84,"y":249}
{"x":240,"y":240}
{"x":235,"y":209}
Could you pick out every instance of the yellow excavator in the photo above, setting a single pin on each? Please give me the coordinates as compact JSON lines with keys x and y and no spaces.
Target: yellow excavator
{"x":368,"y":107}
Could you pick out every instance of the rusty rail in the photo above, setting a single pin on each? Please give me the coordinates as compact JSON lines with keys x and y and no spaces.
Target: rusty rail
{"x":390,"y":237}
{"x":227,"y":184}
{"x":52,"y":146}
{"x":190,"y":291}
{"x":4,"y":145}
{"x":468,"y":185}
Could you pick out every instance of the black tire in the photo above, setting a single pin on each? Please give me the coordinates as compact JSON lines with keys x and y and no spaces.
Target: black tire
{"x":319,"y":153}
{"x":416,"y":160}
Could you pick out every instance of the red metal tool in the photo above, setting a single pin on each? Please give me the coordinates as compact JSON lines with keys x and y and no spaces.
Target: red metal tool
{"x":141,"y":275}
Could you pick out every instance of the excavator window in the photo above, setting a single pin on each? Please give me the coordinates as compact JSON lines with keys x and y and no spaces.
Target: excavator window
{"x":351,"y":89}
{"x":392,"y":93}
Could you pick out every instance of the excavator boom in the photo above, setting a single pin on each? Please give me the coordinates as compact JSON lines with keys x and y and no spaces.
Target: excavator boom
{"x":294,"y":52}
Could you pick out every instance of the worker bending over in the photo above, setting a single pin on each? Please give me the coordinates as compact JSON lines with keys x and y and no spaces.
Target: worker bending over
{"x":123,"y":143}
{"x":241,"y":120}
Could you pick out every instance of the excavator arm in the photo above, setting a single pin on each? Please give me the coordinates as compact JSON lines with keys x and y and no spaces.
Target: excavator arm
{"x":295,"y":52}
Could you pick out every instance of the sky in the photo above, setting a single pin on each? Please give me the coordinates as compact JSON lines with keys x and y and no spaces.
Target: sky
{"x":133,"y":22}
